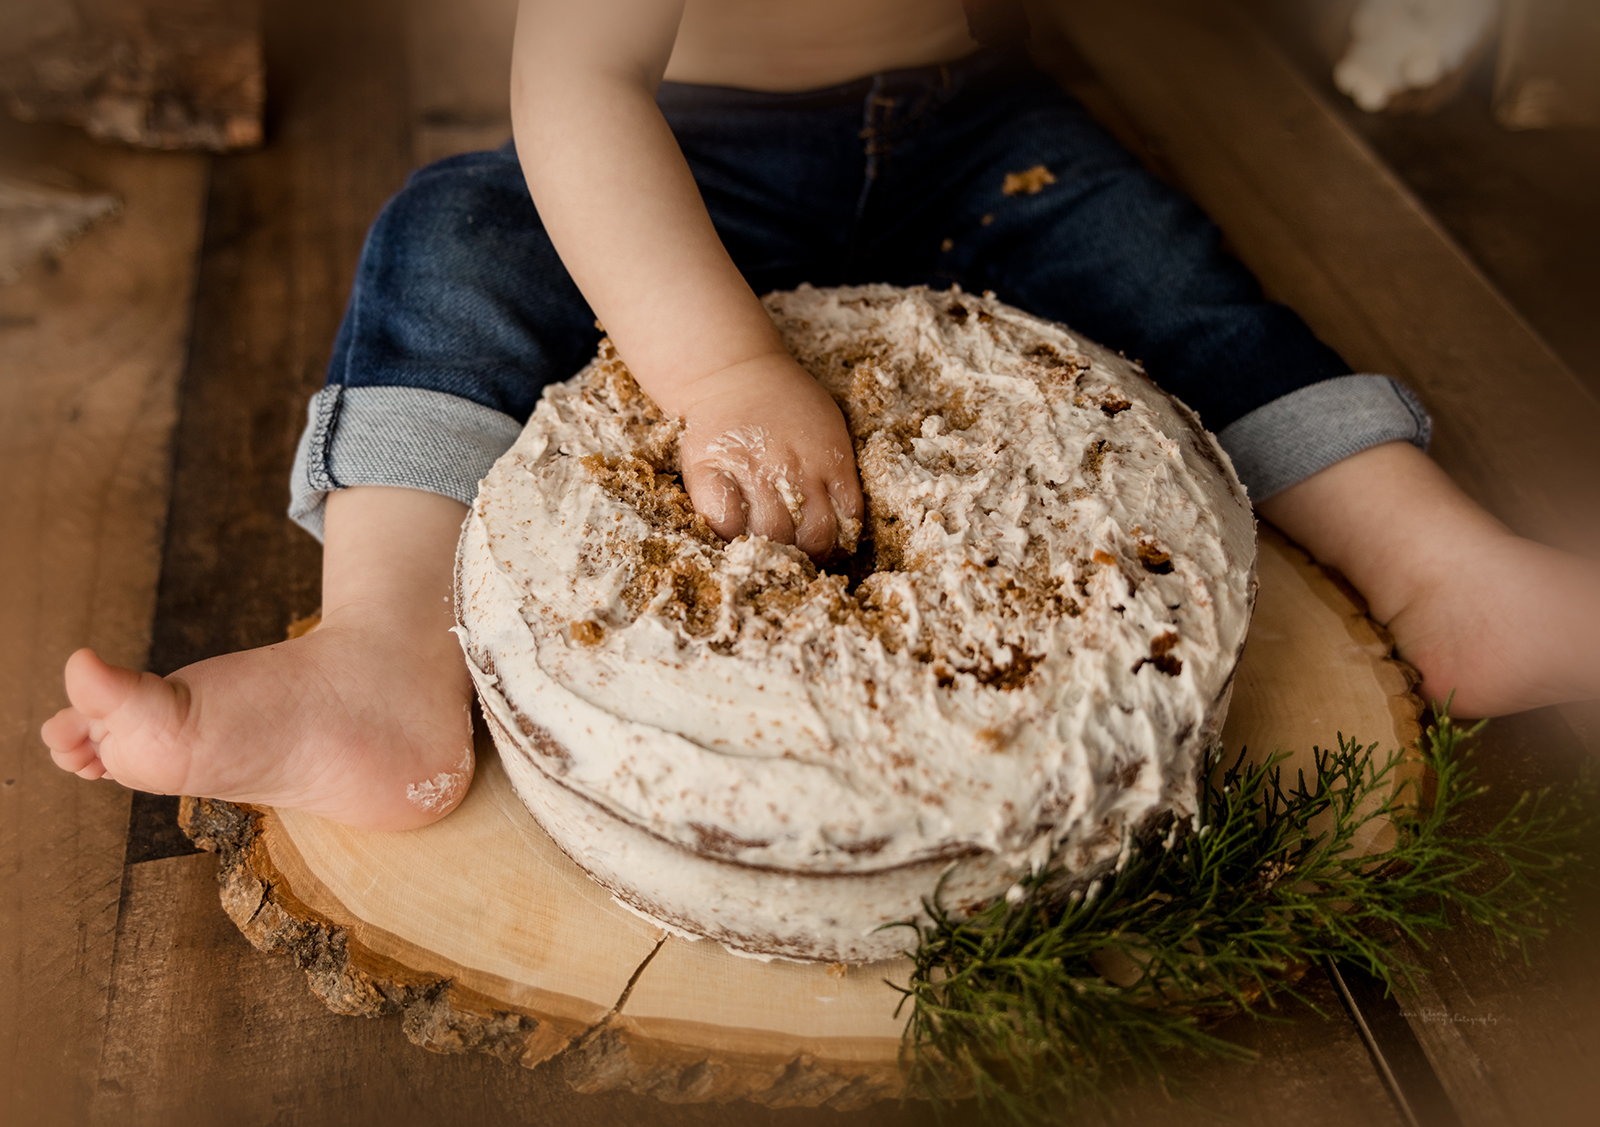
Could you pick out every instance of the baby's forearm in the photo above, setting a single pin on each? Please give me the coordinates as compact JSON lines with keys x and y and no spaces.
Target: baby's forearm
{"x":618,"y":199}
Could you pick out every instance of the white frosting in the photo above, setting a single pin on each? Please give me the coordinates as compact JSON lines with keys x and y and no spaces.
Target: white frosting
{"x":1072,"y":572}
{"x":444,"y":790}
{"x":1401,"y":45}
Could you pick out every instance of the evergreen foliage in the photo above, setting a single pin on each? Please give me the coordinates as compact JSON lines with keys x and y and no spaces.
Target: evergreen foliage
{"x":1035,"y":1002}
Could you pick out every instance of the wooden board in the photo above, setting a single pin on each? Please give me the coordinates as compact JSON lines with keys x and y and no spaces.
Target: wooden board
{"x":487,"y":937}
{"x":91,"y":349}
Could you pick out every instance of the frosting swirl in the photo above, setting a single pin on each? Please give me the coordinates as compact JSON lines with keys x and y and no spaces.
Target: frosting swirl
{"x":1023,"y":659}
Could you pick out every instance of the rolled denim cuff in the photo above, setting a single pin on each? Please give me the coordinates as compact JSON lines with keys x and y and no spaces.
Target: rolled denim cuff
{"x":1291,"y":438}
{"x":400,"y":436}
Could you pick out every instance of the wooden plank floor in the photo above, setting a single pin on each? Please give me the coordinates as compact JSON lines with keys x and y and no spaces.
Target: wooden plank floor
{"x":90,"y":357}
{"x":125,"y":994}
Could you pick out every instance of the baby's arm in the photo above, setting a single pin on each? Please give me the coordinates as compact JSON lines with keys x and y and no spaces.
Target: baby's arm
{"x":1502,"y":622}
{"x":765,"y":449}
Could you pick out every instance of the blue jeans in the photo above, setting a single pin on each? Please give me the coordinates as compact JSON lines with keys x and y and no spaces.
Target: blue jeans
{"x":462,"y":312}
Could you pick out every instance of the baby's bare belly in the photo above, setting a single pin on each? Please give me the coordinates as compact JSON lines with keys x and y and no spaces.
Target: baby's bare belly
{"x":804,"y":44}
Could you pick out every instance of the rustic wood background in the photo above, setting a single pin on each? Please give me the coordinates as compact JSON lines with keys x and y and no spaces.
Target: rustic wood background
{"x":154,"y":385}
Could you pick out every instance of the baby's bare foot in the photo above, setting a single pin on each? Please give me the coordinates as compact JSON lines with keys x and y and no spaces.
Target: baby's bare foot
{"x":1511,"y":625}
{"x":353,"y":721}
{"x":1499,"y":622}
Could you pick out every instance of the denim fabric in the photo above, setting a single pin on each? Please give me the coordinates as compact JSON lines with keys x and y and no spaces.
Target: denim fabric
{"x":1291,"y":438}
{"x":895,"y":178}
{"x":400,"y":436}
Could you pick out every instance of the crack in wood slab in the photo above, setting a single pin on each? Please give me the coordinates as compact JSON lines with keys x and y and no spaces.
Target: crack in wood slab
{"x":622,"y":999}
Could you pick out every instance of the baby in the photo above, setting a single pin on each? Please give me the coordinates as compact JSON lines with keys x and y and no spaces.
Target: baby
{"x":673,"y":158}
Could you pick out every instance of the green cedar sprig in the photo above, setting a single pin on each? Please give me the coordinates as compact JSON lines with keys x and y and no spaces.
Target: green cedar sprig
{"x":1034,"y":1002}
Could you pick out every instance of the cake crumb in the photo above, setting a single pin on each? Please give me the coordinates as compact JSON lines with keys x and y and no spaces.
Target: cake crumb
{"x":1028,"y":183}
{"x":1161,"y":655}
{"x":1154,"y":559}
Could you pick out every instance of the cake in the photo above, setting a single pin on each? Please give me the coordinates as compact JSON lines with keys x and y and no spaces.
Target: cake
{"x":1023,"y":663}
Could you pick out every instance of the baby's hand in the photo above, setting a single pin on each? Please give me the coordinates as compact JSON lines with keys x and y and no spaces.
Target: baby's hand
{"x":765,"y":451}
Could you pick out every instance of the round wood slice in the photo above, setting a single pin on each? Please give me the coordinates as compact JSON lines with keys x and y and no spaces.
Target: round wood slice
{"x":487,"y":938}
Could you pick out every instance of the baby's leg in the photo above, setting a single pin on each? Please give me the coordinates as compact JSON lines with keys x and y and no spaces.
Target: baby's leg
{"x":459,"y":316}
{"x":366,"y":720}
{"x":1502,"y":622}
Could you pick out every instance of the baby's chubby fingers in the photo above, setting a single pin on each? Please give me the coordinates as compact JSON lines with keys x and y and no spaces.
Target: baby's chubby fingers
{"x":831,"y":503}
{"x":741,"y":481}
{"x":734,"y":503}
{"x":771,"y":503}
{"x":831,"y":516}
{"x":817,"y":533}
{"x":740,"y":498}
{"x":716,"y":496}
{"x":765,"y":451}
{"x":845,"y":497}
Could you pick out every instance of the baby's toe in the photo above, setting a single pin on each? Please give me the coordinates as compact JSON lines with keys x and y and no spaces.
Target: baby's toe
{"x":92,"y":772}
{"x":66,"y":729}
{"x":95,"y":688}
{"x":75,"y":758}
